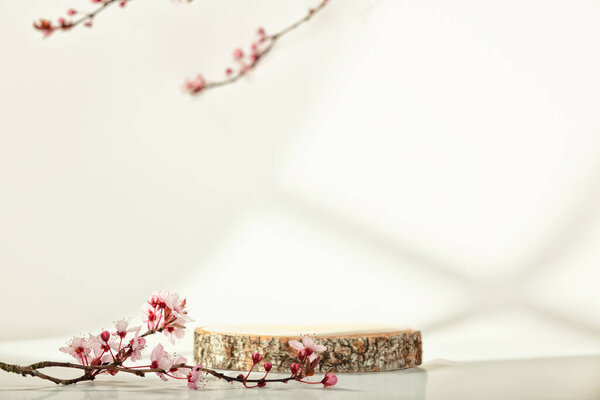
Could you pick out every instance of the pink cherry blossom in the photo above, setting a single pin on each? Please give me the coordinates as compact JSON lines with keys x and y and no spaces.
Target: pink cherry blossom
{"x":194,"y":376}
{"x":174,"y":331}
{"x":150,"y":316}
{"x":177,"y":305}
{"x":160,"y":360}
{"x":158,"y":299}
{"x":137,"y":345}
{"x":309,"y":346}
{"x":102,"y":348}
{"x":164,"y":309}
{"x":179,"y":372}
{"x":79,"y":348}
{"x":122,"y":330}
{"x":175,"y":302}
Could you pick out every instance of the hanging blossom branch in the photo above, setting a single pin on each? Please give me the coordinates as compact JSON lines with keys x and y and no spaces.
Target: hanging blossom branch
{"x":75,"y":17}
{"x":248,"y":61}
{"x":164,"y":312}
{"x":245,"y":61}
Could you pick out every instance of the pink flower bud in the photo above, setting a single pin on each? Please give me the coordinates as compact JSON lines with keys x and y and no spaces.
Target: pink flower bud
{"x":294,"y":368}
{"x":329,"y":379}
{"x":268,"y":366}
{"x":256,"y":357}
{"x":302,"y":354}
{"x":105,"y":336}
{"x":71,"y":11}
{"x":238,"y":53}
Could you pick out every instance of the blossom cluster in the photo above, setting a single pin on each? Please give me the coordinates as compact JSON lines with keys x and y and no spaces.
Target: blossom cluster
{"x":163,"y":312}
{"x":107,"y":347}
{"x":74,"y":17}
{"x":308,"y":355}
{"x":244,"y":62}
{"x":172,"y":366}
{"x":166,"y":312}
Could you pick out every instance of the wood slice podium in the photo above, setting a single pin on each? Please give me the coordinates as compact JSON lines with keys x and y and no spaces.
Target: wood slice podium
{"x":350,"y":348}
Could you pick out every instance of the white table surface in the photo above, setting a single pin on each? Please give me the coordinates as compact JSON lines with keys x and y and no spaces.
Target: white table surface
{"x":549,"y":378}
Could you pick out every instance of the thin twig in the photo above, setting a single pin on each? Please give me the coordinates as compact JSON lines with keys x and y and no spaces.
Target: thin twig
{"x":47,"y":27}
{"x":272,"y":40}
{"x":89,"y":16}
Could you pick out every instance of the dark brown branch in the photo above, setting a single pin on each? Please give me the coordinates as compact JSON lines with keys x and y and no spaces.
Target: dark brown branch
{"x":91,"y":371}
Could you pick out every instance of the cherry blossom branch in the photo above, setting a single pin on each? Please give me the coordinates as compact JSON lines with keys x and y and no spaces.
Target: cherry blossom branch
{"x":245,"y":62}
{"x":88,"y":376}
{"x":33,"y":370}
{"x":47,"y":27}
{"x":258,"y":50}
{"x":165,"y":313}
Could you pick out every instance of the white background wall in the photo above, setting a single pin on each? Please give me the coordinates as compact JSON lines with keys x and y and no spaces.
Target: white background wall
{"x":426,"y":163}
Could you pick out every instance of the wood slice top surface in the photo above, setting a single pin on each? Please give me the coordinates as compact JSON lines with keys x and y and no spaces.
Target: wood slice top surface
{"x":350,"y":348}
{"x":331,"y":330}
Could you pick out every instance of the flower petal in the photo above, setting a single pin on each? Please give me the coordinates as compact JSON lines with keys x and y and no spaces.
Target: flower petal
{"x":319,"y":348}
{"x":165,"y":364}
{"x":157,"y":353}
{"x":162,"y":376}
{"x":296,"y":344}
{"x":121,"y":325}
{"x":307,"y":341}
